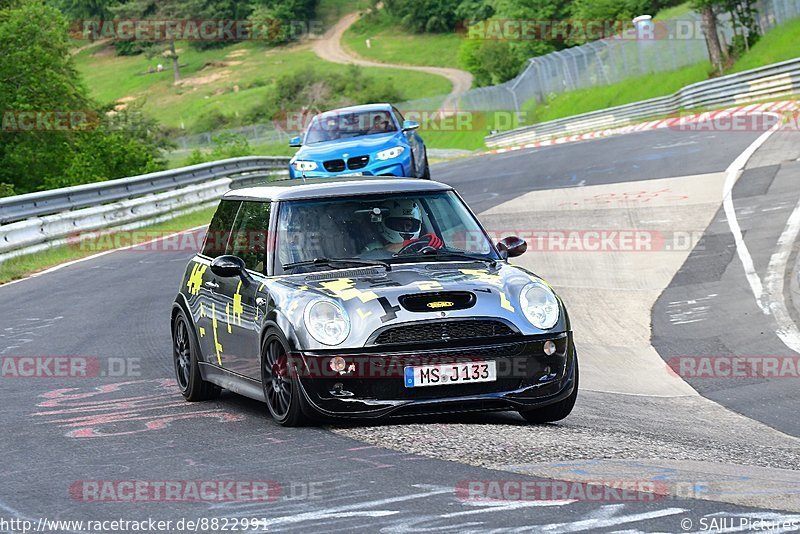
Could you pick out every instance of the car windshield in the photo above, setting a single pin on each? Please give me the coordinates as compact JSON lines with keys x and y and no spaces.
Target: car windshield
{"x":342,"y":125}
{"x":394,"y":228}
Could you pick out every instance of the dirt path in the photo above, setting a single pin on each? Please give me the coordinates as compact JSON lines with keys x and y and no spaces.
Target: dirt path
{"x":330,"y":49}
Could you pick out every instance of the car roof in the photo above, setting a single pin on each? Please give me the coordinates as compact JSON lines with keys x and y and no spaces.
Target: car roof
{"x":327,"y":187}
{"x":363,"y":107}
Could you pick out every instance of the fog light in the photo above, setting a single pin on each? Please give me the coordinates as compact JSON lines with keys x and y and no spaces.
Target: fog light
{"x":338,"y":364}
{"x":549,"y":348}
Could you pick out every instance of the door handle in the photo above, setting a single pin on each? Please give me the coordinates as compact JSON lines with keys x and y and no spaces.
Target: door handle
{"x":211,"y":285}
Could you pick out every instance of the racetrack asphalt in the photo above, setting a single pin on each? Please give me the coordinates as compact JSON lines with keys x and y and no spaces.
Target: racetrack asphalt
{"x":62,"y":432}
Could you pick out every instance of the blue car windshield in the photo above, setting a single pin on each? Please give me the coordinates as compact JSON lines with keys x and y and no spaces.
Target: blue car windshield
{"x":388,"y":227}
{"x":343,"y":125}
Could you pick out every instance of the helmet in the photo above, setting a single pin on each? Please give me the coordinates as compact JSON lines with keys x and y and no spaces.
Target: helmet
{"x":403,"y":221}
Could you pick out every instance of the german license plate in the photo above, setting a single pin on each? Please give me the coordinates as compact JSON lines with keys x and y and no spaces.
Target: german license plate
{"x":450,"y":373}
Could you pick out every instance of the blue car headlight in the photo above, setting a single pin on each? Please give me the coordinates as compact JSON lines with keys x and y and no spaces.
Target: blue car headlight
{"x":390,"y":153}
{"x":304,"y":166}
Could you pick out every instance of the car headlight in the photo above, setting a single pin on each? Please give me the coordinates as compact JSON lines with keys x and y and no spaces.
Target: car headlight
{"x":304,"y":166}
{"x":326,"y":321}
{"x":540,"y":305}
{"x":390,"y":153}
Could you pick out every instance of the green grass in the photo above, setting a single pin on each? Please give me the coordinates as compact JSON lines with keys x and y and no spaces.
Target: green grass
{"x":329,"y":11}
{"x":673,"y":12}
{"x":240,"y":77}
{"x":601,"y":97}
{"x":777,"y":45}
{"x":390,"y":44}
{"x":22,"y":266}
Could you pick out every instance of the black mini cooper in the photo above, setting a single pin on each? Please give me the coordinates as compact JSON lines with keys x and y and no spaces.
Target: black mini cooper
{"x":366,"y":298}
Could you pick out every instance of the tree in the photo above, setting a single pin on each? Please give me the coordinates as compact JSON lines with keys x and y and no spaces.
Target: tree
{"x":85,"y":9}
{"x":36,"y":75}
{"x":37,"y":78}
{"x":161,"y":10}
{"x":709,"y":23}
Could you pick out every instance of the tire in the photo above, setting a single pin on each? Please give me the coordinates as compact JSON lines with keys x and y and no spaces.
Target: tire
{"x":554,"y":412}
{"x":426,"y":175}
{"x":185,"y":353}
{"x":281,"y":385}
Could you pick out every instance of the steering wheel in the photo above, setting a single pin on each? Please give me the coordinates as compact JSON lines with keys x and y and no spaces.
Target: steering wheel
{"x":425,"y":244}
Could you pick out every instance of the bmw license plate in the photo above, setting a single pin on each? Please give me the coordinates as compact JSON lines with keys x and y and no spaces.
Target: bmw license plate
{"x":450,"y":373}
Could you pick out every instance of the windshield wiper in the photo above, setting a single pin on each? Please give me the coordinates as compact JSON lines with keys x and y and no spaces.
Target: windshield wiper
{"x":333,"y":262}
{"x":449,"y":254}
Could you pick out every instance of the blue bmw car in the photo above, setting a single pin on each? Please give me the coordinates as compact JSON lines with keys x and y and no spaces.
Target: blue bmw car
{"x":370,"y":140}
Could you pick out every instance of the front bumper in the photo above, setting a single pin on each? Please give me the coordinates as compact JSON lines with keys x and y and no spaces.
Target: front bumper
{"x":526,"y":378}
{"x":400,"y":167}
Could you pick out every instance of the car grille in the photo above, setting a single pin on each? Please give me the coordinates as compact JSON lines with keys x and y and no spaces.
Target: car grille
{"x":334,"y":165}
{"x":357,"y":163}
{"x":443,"y":331}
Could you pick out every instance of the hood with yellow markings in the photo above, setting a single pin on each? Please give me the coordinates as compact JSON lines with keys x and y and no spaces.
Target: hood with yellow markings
{"x":374,"y":298}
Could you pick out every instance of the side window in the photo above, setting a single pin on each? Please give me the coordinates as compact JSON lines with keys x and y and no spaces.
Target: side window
{"x":399,"y":116}
{"x":249,"y":239}
{"x":220,"y":228}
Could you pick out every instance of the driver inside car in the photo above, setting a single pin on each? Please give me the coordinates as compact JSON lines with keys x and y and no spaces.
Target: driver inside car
{"x":400,"y":226}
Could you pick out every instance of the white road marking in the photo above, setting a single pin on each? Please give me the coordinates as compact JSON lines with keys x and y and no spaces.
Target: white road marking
{"x":787,"y":329}
{"x":327,"y":512}
{"x":593,"y":524}
{"x":772,"y":303}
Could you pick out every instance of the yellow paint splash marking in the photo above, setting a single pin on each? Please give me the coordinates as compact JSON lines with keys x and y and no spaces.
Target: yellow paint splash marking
{"x":196,"y":278}
{"x":202,"y":332}
{"x":217,"y":344}
{"x":202,"y":310}
{"x":228,"y":316}
{"x":345,"y":289}
{"x":505,"y":303}
{"x":362,"y":314}
{"x":238,"y":309}
{"x":429,"y":286}
{"x":483,"y":276}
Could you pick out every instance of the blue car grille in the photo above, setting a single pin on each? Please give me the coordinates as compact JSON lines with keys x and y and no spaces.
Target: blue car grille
{"x":357,"y":163}
{"x":334,"y":165}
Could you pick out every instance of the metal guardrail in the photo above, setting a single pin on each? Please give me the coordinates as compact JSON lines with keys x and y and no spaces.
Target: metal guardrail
{"x":772,"y":81}
{"x":38,"y":221}
{"x":19,"y":207}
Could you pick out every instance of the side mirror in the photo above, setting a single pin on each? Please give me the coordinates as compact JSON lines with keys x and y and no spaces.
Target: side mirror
{"x":295,"y":142}
{"x":227,"y":266}
{"x":511,"y":247}
{"x":410,"y":125}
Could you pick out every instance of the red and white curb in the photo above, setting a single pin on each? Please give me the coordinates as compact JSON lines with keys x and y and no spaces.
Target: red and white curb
{"x":677,"y":123}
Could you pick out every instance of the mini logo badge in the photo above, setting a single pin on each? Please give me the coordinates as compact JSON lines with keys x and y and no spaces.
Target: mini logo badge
{"x":440,"y":304}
